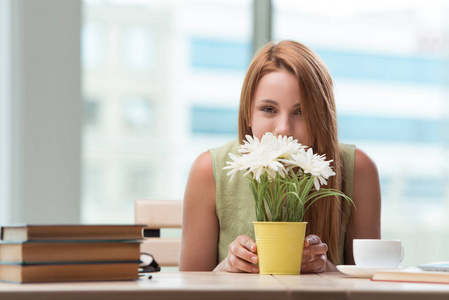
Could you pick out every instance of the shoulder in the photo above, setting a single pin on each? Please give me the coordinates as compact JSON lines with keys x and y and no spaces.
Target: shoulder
{"x":363,"y":164}
{"x":347,"y":152}
{"x":220,"y":155}
{"x":366,"y":179}
{"x":202,"y":168}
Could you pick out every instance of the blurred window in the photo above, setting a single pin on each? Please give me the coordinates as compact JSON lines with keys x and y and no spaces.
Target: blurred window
{"x":138,"y":52}
{"x":214,"y":120}
{"x":91,"y":112}
{"x":216,"y":54}
{"x":92,"y":39}
{"x":136,"y":113}
{"x":155,"y":74}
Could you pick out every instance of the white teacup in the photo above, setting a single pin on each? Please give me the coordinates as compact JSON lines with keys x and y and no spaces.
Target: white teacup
{"x":377,"y":253}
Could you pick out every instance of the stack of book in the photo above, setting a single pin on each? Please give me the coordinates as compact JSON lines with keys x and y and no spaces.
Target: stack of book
{"x":51,"y":253}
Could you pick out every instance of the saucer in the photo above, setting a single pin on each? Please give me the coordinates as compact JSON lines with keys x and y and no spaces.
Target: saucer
{"x":360,"y":272}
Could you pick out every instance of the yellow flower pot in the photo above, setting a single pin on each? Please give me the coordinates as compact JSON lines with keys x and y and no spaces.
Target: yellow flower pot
{"x":279,"y":246}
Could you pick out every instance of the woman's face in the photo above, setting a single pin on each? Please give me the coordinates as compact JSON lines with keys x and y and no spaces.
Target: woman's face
{"x":277,"y":107}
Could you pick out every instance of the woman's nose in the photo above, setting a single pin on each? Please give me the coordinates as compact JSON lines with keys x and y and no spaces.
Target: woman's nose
{"x":284,"y":126}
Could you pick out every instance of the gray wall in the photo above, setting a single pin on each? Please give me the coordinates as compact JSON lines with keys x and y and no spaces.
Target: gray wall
{"x":5,"y":121}
{"x":42,"y":149}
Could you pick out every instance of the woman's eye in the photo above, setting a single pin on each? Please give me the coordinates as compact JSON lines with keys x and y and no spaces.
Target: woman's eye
{"x":298,"y":112}
{"x":268,"y":109}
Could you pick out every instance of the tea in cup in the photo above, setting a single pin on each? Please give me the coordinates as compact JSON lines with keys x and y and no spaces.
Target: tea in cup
{"x":377,"y":253}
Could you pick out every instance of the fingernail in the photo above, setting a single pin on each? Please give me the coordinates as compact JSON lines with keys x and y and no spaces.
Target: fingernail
{"x":254,"y":258}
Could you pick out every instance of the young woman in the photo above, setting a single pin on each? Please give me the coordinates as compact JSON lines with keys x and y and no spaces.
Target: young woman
{"x":287,"y":91}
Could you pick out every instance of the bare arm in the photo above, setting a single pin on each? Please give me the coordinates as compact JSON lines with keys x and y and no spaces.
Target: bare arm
{"x":199,"y":223}
{"x":200,"y":227}
{"x":365,"y":221}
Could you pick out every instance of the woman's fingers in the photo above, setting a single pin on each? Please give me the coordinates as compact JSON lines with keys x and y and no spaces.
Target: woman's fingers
{"x":240,"y":265}
{"x":242,"y":255}
{"x":317,"y":264}
{"x":311,"y":240}
{"x":317,"y":249}
{"x":247,"y":249}
{"x":314,"y":255}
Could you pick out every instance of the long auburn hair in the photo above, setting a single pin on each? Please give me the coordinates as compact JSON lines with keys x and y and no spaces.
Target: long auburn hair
{"x":319,"y":114}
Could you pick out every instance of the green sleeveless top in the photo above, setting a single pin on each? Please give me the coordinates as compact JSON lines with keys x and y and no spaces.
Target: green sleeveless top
{"x":235,"y":205}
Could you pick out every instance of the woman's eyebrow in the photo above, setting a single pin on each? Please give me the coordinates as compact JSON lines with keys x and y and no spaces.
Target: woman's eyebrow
{"x":269,"y":101}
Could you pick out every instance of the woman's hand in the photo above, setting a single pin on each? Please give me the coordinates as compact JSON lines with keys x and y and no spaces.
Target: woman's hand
{"x":314,"y":256}
{"x":242,"y":256}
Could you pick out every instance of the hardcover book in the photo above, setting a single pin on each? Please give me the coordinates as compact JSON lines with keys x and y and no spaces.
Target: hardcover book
{"x":71,"y":232}
{"x":34,"y":252}
{"x":411,"y":275}
{"x":24,"y":273}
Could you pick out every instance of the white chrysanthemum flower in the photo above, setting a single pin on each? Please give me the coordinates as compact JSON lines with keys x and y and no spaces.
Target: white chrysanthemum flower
{"x":283,"y":144}
{"x":262,"y":160}
{"x":288,"y":146}
{"x":263,"y":156}
{"x":235,"y":165}
{"x":314,"y":164}
{"x":259,"y":162}
{"x":249,"y":145}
